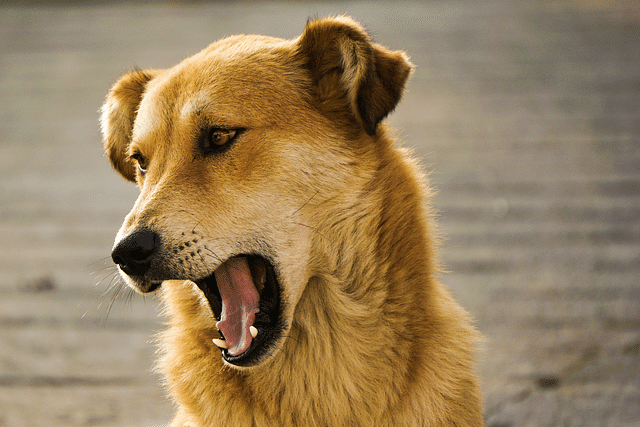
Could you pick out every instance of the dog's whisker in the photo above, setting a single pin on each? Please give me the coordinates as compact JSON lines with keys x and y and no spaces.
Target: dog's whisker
{"x":312,"y":228}
{"x":199,"y":221}
{"x":204,"y":263}
{"x":116,"y":290}
{"x":93,"y":304}
{"x":111,"y":273}
{"x":108,"y":271}
{"x":120,"y":290}
{"x":305,"y":203}
{"x":213,"y":254}
{"x":193,"y":230}
{"x":128,"y":301}
{"x":103,"y":274}
{"x":113,"y":283}
{"x":106,"y":261}
{"x":126,"y":298}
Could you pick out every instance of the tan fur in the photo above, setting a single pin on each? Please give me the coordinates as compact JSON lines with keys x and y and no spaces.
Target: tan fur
{"x":372,"y":338}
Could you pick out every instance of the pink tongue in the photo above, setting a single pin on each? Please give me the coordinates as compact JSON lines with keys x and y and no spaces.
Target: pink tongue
{"x":240,"y":301}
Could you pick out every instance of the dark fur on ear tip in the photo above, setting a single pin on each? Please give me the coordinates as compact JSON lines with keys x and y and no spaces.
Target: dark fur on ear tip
{"x":371,"y":76}
{"x":382,"y":89}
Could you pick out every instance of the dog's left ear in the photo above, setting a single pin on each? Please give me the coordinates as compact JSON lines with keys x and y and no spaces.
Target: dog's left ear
{"x":118,"y":114}
{"x":372,"y":76}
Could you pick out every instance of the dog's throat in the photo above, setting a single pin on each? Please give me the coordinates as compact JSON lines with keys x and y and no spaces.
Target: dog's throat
{"x":240,"y":303}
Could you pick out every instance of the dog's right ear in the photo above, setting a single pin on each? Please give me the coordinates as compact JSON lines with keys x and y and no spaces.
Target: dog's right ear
{"x":346,"y":66}
{"x":118,"y":114}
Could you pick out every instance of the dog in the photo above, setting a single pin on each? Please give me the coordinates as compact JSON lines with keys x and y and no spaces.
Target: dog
{"x":288,"y":237}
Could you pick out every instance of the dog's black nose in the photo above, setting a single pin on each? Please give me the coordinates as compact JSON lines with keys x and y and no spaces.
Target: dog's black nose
{"x":133,"y":253}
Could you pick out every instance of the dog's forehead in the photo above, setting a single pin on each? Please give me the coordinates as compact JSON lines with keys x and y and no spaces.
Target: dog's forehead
{"x":236,"y":80}
{"x":150,"y":110}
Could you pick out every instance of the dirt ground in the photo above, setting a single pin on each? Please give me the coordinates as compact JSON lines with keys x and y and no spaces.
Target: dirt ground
{"x":526,"y":114}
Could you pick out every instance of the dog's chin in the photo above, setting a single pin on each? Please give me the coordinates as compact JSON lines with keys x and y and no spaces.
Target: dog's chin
{"x":141,"y":286}
{"x":265,"y":323}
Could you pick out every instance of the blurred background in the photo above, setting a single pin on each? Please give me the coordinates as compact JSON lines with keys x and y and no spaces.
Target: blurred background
{"x":525,"y":113}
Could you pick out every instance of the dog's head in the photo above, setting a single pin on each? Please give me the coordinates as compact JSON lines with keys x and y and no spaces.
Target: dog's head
{"x":235,"y":151}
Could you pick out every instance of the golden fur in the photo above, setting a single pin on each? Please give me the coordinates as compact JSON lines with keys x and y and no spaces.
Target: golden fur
{"x":316,"y":184}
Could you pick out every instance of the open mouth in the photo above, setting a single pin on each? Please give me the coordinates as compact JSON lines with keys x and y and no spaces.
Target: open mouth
{"x":244,"y":296}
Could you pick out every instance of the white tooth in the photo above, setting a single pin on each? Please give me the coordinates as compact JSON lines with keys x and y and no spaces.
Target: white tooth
{"x":254,"y":331}
{"x":220,"y":343}
{"x":217,"y":325}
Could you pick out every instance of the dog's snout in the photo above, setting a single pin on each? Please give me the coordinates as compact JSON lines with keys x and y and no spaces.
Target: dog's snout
{"x":134,"y":252}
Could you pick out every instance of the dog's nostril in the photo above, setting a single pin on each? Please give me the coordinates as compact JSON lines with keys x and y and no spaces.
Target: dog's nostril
{"x":133,"y":253}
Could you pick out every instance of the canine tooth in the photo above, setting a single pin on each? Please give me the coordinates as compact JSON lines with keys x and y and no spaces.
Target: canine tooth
{"x":254,"y":331}
{"x":220,"y":343}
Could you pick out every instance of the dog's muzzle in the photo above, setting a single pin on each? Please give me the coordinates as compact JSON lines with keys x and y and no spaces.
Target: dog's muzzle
{"x":243,"y":293}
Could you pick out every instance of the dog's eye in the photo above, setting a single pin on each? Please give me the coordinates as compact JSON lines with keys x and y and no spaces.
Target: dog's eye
{"x":219,"y":137}
{"x":141,"y":161}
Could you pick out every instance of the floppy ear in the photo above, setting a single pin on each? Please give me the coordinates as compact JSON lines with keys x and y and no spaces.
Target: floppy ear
{"x":118,"y":114}
{"x":372,"y":78}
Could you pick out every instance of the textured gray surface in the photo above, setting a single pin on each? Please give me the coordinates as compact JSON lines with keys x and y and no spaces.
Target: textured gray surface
{"x":527,"y":115}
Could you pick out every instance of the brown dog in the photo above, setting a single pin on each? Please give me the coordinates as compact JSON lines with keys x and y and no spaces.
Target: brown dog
{"x":288,"y":232}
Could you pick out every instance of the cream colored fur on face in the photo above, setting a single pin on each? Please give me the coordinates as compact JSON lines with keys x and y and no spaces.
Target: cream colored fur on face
{"x":372,"y":338}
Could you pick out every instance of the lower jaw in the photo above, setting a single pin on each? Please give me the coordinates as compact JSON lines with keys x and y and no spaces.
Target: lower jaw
{"x":262,"y":347}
